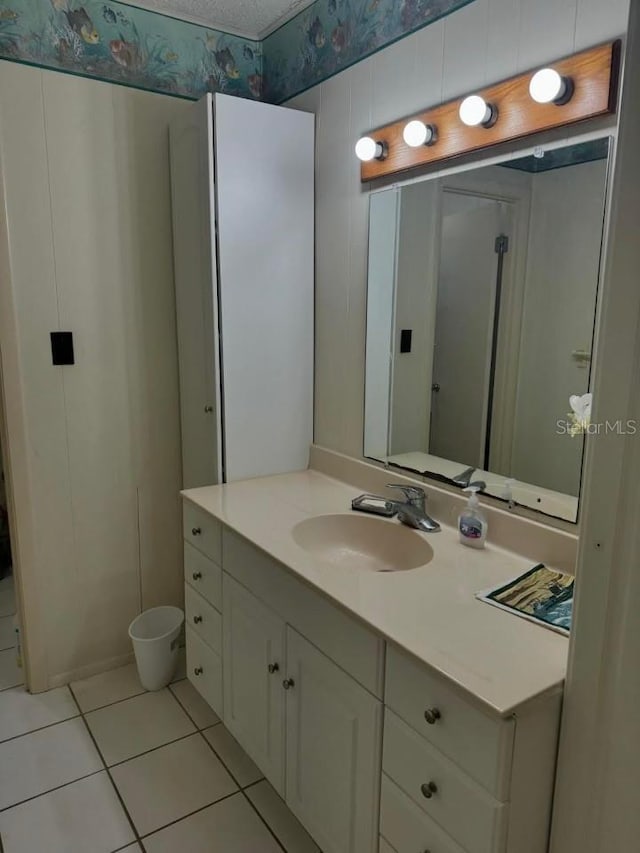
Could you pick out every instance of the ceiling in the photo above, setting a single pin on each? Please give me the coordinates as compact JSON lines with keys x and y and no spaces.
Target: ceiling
{"x":250,"y":18}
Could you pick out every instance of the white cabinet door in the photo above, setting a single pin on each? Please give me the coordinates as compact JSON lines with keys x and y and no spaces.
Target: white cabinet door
{"x":253,"y":655}
{"x":333,"y":751}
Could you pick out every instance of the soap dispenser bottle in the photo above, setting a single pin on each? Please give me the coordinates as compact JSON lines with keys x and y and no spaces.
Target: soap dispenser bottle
{"x":472,"y":522}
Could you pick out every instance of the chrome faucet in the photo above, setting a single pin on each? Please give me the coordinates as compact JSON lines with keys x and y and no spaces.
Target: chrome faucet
{"x":412,"y":511}
{"x":464,"y":477}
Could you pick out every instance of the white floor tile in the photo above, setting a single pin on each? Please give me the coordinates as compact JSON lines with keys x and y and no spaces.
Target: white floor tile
{"x":84,"y":817}
{"x":7,"y":597}
{"x":22,"y":712}
{"x":11,"y":675}
{"x":193,"y":703}
{"x":46,"y":759}
{"x":7,"y":633}
{"x":107,"y":687}
{"x":227,"y":827}
{"x":287,"y":829}
{"x":233,"y":755}
{"x":137,"y":725}
{"x":171,"y":782}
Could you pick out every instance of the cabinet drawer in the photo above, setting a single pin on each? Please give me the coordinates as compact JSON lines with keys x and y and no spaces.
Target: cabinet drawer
{"x":352,"y":645}
{"x":407,"y":827}
{"x":480,"y":744}
{"x":203,"y":575}
{"x":204,"y":619}
{"x":203,"y":531}
{"x":458,"y":804}
{"x":204,"y":670}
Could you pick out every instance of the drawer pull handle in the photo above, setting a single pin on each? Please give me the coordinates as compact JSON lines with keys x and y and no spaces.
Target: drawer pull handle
{"x":198,"y":670}
{"x":429,"y":789}
{"x":288,"y":683}
{"x":273,"y":667}
{"x":196,"y":531}
{"x":197,"y":576}
{"x":197,"y":620}
{"x":432,"y":715}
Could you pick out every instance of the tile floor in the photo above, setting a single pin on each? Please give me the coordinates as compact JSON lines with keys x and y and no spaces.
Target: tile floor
{"x":10,"y":673}
{"x":102,"y":766}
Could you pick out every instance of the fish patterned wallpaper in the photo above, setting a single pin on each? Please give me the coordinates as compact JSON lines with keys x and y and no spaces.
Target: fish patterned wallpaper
{"x":330,"y":35}
{"x":124,"y":44}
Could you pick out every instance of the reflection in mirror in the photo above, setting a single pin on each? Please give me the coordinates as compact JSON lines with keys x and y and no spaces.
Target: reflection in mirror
{"x":480,"y":317}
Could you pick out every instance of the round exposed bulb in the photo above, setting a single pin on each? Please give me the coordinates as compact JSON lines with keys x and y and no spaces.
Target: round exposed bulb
{"x":475,"y":111}
{"x":368,"y":149}
{"x":417,"y":133}
{"x":548,"y":87}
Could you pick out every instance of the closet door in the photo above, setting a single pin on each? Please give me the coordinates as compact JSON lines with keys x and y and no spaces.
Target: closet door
{"x":265,"y":208}
{"x":94,"y":281}
{"x":194,"y":246}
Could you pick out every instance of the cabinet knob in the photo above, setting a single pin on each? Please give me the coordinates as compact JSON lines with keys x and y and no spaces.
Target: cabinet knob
{"x":429,"y":789}
{"x":198,"y":670}
{"x":197,"y":620}
{"x":273,"y":667}
{"x":288,"y":683}
{"x":432,"y":715}
{"x":196,"y":531}
{"x":208,"y":410}
{"x":197,"y":576}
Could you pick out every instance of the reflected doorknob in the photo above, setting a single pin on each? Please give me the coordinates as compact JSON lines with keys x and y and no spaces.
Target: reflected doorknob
{"x":435,"y":387}
{"x":288,"y":683}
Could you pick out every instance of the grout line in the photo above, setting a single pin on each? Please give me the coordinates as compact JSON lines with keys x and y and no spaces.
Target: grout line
{"x":38,"y":729}
{"x":152,"y":749}
{"x":184,"y":708}
{"x":224,"y":763}
{"x":50,"y":790}
{"x":113,"y":784}
{"x":264,"y":821}
{"x":190,"y":814}
{"x":115,"y":701}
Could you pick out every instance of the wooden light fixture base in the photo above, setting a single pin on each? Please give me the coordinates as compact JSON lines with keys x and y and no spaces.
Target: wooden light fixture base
{"x":594,"y":73}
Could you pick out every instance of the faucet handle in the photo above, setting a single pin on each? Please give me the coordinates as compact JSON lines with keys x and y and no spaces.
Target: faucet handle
{"x":414,"y":494}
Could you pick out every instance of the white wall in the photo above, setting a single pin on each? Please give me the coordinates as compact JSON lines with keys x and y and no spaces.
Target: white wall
{"x":567,"y":209}
{"x":485,"y":41}
{"x":86,"y":180}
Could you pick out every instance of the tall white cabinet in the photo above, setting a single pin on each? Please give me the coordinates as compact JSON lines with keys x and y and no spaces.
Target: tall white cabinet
{"x":243,"y":221}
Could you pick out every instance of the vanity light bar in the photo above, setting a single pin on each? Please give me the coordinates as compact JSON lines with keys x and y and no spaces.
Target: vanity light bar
{"x":585,"y":86}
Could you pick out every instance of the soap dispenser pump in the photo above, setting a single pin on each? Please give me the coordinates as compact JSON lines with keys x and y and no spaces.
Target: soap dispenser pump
{"x":472,"y":522}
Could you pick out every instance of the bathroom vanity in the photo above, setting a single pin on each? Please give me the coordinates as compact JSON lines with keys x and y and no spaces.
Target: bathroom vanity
{"x":392,"y":710}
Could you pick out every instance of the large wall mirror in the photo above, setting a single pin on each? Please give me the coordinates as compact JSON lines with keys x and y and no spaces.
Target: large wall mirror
{"x":481,"y":303}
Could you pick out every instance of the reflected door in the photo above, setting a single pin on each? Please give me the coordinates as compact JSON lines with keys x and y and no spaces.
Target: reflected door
{"x":464,"y":326}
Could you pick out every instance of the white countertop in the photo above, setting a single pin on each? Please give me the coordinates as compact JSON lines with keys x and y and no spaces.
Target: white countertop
{"x":430,"y":611}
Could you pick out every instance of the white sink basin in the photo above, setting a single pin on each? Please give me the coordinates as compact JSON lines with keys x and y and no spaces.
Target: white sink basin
{"x":359,"y":541}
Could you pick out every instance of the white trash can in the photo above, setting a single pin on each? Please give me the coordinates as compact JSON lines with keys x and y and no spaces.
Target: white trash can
{"x":155,"y":635}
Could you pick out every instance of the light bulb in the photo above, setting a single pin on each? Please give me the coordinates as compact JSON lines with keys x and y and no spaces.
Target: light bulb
{"x":475,"y":111}
{"x":417,"y":133}
{"x":549,"y":87}
{"x":369,"y":149}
